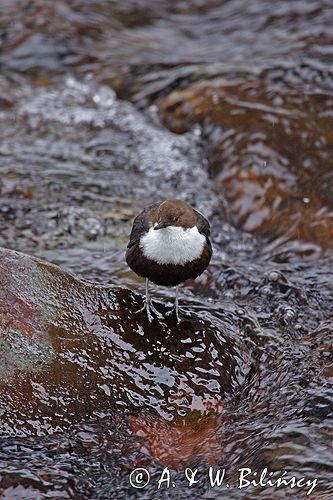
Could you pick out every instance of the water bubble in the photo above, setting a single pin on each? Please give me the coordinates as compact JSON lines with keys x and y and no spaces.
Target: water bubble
{"x":265,"y":290}
{"x":274,"y":276}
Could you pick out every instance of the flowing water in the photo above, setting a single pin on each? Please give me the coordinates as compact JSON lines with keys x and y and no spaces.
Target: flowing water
{"x":106,"y":107}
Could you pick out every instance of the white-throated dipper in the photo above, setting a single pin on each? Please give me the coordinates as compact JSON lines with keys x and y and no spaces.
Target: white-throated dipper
{"x":169,"y":243}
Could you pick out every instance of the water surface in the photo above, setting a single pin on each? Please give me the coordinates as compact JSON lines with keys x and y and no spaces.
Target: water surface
{"x":105,"y":108}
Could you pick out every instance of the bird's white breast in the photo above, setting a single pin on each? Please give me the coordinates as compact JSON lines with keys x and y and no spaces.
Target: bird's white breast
{"x":172,"y":245}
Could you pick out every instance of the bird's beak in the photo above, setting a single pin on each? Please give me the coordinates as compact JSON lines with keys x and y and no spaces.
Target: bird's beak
{"x":162,"y":225}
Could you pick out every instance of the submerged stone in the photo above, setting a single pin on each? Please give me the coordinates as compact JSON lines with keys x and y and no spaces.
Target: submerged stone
{"x":268,"y":153}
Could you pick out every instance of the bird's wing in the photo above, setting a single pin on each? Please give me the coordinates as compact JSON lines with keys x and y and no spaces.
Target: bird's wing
{"x":140,"y":225}
{"x":203,"y":225}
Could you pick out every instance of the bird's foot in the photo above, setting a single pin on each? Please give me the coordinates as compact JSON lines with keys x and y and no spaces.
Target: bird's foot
{"x":151,"y":310}
{"x":177,"y":311}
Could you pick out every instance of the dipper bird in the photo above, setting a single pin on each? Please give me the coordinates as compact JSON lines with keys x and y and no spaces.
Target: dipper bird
{"x":169,"y":243}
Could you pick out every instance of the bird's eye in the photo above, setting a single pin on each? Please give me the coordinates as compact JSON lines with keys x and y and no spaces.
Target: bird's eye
{"x":176,"y":217}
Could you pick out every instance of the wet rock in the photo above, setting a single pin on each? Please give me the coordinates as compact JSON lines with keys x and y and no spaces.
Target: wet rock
{"x":70,"y":349}
{"x":177,"y":446}
{"x":267,"y":152}
{"x":19,"y":352}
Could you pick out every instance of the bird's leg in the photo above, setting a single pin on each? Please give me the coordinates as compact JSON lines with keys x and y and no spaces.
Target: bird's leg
{"x":149,"y":306}
{"x":175,"y":307}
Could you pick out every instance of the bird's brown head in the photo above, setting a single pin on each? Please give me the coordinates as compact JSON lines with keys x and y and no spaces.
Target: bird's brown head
{"x":174,"y":213}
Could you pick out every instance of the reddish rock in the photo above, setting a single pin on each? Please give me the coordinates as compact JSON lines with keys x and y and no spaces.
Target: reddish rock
{"x":181,"y":444}
{"x":269,"y":154}
{"x":70,"y":349}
